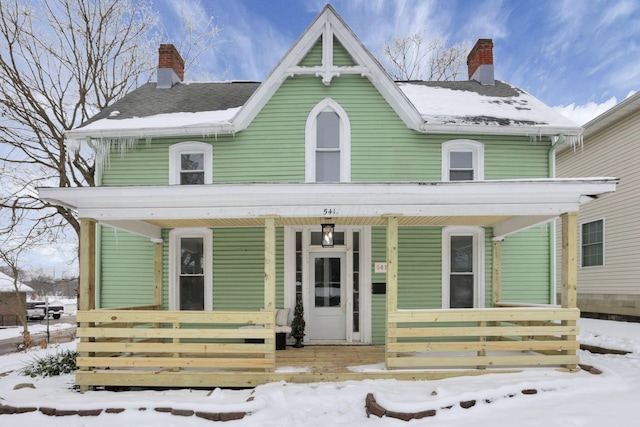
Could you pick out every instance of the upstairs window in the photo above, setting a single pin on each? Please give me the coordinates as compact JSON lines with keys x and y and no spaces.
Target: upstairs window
{"x":190,"y":163}
{"x":328,"y":144}
{"x":592,"y":243}
{"x":462,"y":160}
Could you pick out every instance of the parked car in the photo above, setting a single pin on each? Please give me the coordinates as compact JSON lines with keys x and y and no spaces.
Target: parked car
{"x":55,"y":310}
{"x":34,"y":311}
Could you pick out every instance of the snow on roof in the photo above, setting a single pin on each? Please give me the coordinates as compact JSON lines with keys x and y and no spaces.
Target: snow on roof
{"x":468,"y":103}
{"x":6,"y":284}
{"x":168,"y":120}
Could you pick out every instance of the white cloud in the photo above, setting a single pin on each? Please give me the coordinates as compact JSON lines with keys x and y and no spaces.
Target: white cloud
{"x":582,"y":114}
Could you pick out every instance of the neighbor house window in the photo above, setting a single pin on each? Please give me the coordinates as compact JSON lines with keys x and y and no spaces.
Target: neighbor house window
{"x":190,"y":163}
{"x":462,"y":267}
{"x":328,"y":143}
{"x":592,"y":243}
{"x":462,"y":160}
{"x":191,"y":283}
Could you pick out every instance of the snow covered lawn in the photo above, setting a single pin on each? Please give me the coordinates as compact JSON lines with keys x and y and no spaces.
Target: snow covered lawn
{"x":562,"y":399}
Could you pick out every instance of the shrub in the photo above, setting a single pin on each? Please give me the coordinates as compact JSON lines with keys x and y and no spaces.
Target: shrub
{"x":52,"y":364}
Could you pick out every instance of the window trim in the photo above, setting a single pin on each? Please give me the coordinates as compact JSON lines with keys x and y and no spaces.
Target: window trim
{"x":603,"y":243}
{"x":175,"y":235}
{"x":477,"y":150}
{"x":478,"y":234}
{"x":326,"y":105}
{"x":189,"y":147}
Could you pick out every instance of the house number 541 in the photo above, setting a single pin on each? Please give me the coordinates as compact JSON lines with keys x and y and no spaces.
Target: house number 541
{"x":330,"y":211}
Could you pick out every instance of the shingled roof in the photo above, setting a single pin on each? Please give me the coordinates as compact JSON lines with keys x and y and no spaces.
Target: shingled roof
{"x":148,"y":100}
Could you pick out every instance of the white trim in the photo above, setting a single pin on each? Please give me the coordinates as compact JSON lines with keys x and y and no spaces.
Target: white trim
{"x":604,"y":223}
{"x":190,"y":147}
{"x":478,"y":263}
{"x":327,"y":104}
{"x":328,"y":21}
{"x":174,"y":264}
{"x":456,"y":145}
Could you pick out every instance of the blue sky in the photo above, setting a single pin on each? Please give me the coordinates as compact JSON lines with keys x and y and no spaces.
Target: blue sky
{"x":581,"y":56}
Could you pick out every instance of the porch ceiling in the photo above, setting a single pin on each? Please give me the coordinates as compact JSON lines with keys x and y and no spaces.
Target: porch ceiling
{"x":484,"y":221}
{"x":506,"y":205}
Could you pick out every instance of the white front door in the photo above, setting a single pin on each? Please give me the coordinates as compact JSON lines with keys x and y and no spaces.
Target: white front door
{"x":327,"y":305}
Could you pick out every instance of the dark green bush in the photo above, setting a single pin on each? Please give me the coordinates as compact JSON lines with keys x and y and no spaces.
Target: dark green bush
{"x":63,"y":362}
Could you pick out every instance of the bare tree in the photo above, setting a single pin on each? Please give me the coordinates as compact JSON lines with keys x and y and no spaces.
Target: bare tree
{"x":409,"y":57}
{"x":62,"y":61}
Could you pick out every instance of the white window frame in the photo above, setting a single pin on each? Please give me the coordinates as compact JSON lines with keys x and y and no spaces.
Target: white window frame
{"x":175,"y":236}
{"x":189,"y":147}
{"x":604,"y":230}
{"x":328,"y":105}
{"x":478,"y":234}
{"x":477,"y":150}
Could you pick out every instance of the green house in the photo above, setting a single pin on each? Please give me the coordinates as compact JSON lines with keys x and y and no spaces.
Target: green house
{"x":401,"y":214}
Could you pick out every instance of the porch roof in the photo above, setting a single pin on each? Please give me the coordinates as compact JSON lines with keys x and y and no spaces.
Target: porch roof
{"x":506,"y":205}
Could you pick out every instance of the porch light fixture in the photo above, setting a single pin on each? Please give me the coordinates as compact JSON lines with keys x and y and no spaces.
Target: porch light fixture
{"x":327,"y":235}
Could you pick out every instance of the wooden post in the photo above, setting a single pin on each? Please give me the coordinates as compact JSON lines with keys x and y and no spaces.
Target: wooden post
{"x":87,"y":277}
{"x":270,"y":278}
{"x":157,"y":274}
{"x":569,"y":295}
{"x":87,"y":264}
{"x":496,"y":287}
{"x":392,"y":280}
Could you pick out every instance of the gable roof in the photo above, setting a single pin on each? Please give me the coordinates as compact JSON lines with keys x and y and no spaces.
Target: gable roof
{"x":434,"y":107}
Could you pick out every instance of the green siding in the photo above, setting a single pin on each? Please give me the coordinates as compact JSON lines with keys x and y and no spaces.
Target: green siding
{"x":126,"y":269}
{"x":314,"y":57}
{"x":526,"y":266}
{"x":340,"y":55}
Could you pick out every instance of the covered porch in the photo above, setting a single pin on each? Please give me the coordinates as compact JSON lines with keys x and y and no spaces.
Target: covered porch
{"x":146,"y":346}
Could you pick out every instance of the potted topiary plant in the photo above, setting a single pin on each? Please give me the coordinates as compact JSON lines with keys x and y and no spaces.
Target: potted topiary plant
{"x":297,"y":325}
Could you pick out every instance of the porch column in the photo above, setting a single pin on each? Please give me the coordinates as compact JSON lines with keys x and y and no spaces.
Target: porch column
{"x":270,"y":264}
{"x":569,"y":292}
{"x":157,"y":274}
{"x":87,"y":296}
{"x":270,"y":281}
{"x":87,"y":264}
{"x":496,"y":287}
{"x":392,"y":279}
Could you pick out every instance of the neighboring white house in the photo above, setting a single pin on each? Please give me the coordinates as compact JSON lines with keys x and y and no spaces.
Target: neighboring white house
{"x":608,"y":228}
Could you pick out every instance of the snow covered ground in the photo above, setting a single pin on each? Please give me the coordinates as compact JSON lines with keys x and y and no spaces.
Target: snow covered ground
{"x":563,"y":399}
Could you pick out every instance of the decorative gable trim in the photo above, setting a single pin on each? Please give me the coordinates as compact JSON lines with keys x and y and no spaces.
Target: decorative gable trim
{"x":328,"y":25}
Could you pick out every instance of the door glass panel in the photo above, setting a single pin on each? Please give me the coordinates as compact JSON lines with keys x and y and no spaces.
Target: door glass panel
{"x":338,"y":238}
{"x":327,"y":286}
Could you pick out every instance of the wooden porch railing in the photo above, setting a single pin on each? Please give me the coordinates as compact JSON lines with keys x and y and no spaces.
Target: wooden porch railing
{"x":517,"y":336}
{"x":175,"y":340}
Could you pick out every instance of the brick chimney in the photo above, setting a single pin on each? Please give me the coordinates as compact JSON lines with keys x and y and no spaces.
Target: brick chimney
{"x":480,"y":62}
{"x":170,"y":66}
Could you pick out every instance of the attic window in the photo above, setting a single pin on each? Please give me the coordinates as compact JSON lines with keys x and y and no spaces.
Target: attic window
{"x":328,"y":143}
{"x":190,"y":163}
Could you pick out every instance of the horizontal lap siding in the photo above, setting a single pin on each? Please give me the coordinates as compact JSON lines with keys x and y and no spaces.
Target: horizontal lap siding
{"x":126,"y":269}
{"x":526,"y":266}
{"x":614,"y":152}
{"x":238,"y":268}
{"x":515,"y":157}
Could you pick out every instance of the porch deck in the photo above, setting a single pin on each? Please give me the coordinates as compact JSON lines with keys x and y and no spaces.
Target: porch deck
{"x":208,"y":349}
